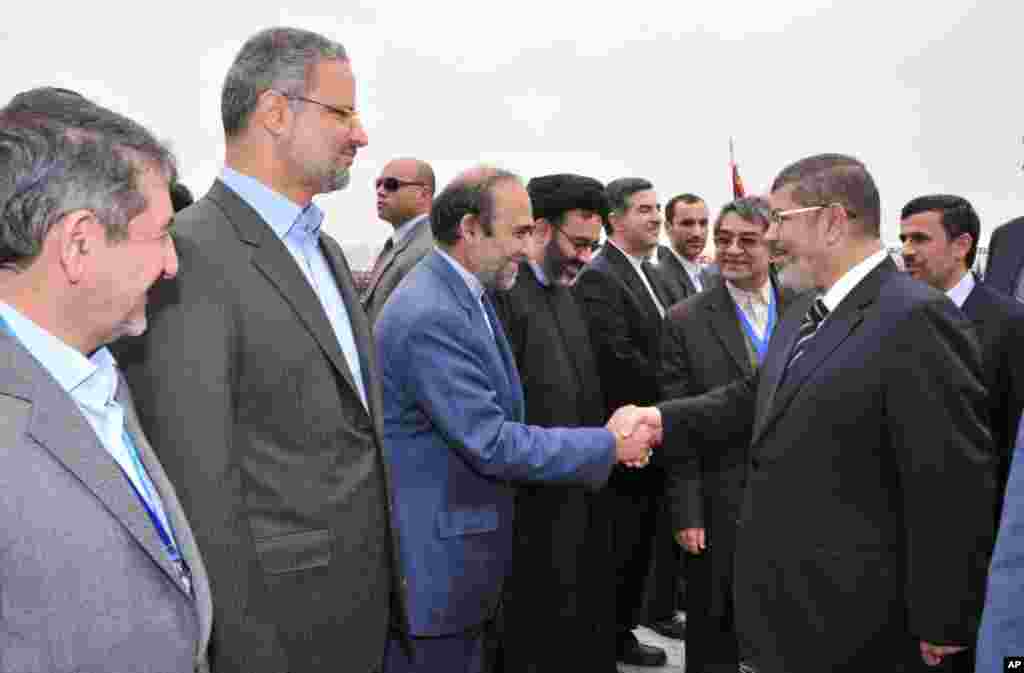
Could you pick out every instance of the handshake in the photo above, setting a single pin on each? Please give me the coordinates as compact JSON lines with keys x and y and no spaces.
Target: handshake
{"x":637,"y":431}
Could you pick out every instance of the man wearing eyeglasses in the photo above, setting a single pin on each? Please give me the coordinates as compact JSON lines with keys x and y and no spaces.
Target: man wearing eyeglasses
{"x":686,"y":224}
{"x":866,"y":522}
{"x":258,"y":379}
{"x":405,"y":190}
{"x":559,"y":596}
{"x":710,"y":340}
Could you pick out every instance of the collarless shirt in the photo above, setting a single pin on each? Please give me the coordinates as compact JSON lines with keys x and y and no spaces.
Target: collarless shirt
{"x":637,"y":264}
{"x":299,"y":230}
{"x":92,"y":384}
{"x":476,"y":288}
{"x":851,"y":279}
{"x":692,"y":269}
{"x":959,"y":292}
{"x":755,"y":305}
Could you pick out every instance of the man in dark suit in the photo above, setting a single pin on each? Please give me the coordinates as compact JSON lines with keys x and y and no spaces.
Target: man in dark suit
{"x":686,"y":224}
{"x":99,"y":570}
{"x":559,"y":596}
{"x":454,"y":425}
{"x":405,"y":190}
{"x":623,"y":303}
{"x":940,"y":240}
{"x":710,"y":340}
{"x":868,"y":413}
{"x":1005,"y":268}
{"x":258,"y":379}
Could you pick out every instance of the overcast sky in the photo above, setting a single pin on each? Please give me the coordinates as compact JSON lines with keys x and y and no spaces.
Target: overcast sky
{"x":927,"y":94}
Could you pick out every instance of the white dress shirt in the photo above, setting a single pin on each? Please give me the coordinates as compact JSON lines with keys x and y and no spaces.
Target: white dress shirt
{"x":849,"y":280}
{"x":755,"y":305}
{"x":959,"y":292}
{"x":637,"y":263}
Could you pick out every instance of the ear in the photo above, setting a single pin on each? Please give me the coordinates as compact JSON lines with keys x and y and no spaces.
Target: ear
{"x":962,"y":246}
{"x":837,"y":226}
{"x":75,"y":236}
{"x":272,"y":112}
{"x":469,"y":226}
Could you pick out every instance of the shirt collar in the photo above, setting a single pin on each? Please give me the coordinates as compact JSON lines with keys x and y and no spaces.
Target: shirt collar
{"x":739,"y":294}
{"x":959,"y":292}
{"x":90,"y":380}
{"x":281,"y":214}
{"x":692,"y":268}
{"x":404,"y":231}
{"x":538,"y":271}
{"x":851,"y":279}
{"x":476,"y":288}
{"x":635,"y":261}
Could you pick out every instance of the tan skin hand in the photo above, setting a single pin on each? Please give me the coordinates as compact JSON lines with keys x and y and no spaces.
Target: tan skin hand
{"x":693,"y":540}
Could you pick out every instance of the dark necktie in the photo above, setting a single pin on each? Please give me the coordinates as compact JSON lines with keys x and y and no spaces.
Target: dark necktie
{"x":808,"y":327}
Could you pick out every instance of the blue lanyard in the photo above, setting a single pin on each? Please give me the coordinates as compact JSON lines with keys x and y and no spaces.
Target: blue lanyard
{"x":149,"y":498}
{"x":760,"y":345}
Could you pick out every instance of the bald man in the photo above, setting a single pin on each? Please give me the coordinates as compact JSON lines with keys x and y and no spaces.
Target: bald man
{"x":405,"y":191}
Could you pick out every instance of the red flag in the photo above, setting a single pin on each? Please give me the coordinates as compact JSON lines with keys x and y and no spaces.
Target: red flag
{"x":737,"y":184}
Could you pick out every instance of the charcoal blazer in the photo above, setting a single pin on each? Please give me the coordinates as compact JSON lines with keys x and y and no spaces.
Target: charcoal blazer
{"x":999,"y":322}
{"x":1006,"y":257}
{"x":676,"y":280}
{"x":703,"y":347}
{"x":842,"y":559}
{"x":86,"y":582}
{"x":399,"y":261}
{"x":457,"y":445}
{"x":243,"y":387}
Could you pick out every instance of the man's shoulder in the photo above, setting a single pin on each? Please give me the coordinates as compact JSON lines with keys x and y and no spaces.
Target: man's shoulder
{"x":422,"y":298}
{"x":695,"y":306}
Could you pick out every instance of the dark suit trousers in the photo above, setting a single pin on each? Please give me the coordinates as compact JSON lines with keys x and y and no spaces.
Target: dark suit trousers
{"x":710,"y":638}
{"x":662,"y":592}
{"x":635,"y":517}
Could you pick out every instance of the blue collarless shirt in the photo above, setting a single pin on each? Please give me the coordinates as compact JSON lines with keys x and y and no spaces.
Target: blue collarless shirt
{"x":299,"y":230}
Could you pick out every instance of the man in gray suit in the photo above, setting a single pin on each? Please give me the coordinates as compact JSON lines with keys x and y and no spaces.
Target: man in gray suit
{"x":258,"y":380}
{"x":99,"y":570}
{"x":405,"y":192}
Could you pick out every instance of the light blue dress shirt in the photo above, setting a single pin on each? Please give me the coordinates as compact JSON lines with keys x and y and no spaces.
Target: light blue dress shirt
{"x":92,"y":384}
{"x":299,"y":230}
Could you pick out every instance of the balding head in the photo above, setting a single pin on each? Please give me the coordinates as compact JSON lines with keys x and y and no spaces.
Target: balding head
{"x":405,"y":189}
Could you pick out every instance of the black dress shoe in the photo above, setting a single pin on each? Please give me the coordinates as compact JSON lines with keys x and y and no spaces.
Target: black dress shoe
{"x":670,"y":628}
{"x":638,"y":654}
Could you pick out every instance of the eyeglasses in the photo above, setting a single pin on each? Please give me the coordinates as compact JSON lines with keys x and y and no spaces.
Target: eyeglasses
{"x":394,"y":184}
{"x":578,"y":242}
{"x":346,"y":115}
{"x":724,"y":242}
{"x":779,"y":216}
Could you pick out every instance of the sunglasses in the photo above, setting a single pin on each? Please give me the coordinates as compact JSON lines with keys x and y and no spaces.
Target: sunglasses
{"x":394,"y":184}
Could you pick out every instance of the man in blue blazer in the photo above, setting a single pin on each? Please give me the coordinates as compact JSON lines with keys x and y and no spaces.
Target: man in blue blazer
{"x":1002,"y":621}
{"x":453,"y":426}
{"x":1005,"y":268}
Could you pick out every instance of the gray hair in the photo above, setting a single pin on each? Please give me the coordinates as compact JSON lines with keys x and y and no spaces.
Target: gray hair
{"x":60,"y":153}
{"x":824,"y":179}
{"x":276,"y":58}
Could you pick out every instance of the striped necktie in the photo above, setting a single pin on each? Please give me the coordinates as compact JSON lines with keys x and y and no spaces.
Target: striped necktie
{"x":808,"y":327}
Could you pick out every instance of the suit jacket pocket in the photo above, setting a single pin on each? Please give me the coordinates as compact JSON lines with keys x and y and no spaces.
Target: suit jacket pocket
{"x":466,"y":522}
{"x":294,"y":551}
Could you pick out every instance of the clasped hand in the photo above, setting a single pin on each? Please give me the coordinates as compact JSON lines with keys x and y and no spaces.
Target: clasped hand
{"x":637,"y":431}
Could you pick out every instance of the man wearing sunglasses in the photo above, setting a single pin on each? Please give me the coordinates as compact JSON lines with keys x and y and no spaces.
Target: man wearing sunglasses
{"x":559,"y":595}
{"x":867,"y":416}
{"x":405,"y":190}
{"x":686,"y":224}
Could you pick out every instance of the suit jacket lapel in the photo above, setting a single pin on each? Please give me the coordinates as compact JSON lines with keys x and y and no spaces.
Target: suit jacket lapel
{"x":273,"y":260}
{"x":629,"y":276}
{"x":676,"y":268}
{"x":58,"y":425}
{"x":391,"y":258}
{"x":725,"y":323}
{"x":839,"y":325}
{"x":360,"y":323}
{"x":175,"y":513}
